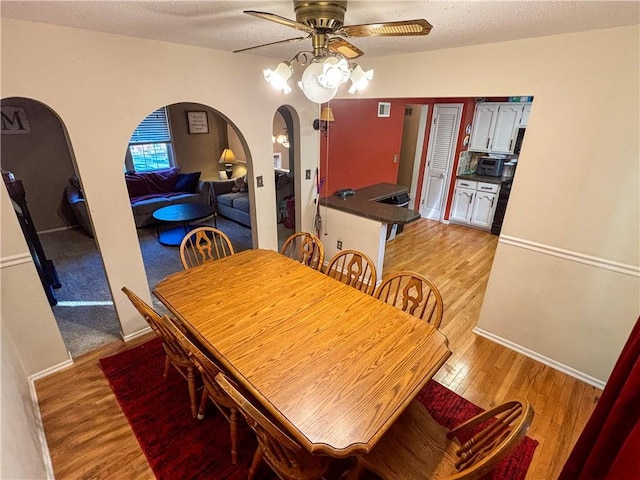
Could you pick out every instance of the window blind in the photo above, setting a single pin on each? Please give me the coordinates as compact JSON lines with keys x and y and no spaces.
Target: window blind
{"x":153,"y":129}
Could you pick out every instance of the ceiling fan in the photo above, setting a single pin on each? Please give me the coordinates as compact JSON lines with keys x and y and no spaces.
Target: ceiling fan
{"x":324,"y":23}
{"x":329,"y":67}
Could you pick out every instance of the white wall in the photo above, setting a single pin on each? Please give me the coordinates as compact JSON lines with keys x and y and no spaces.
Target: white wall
{"x":20,"y":446}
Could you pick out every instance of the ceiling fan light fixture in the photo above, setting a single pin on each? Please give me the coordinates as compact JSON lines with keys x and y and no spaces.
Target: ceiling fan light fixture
{"x":278,"y":78}
{"x":334,"y":72}
{"x":311,"y":86}
{"x":359,"y":79}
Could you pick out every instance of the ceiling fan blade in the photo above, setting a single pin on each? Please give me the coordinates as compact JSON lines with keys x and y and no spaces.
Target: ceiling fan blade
{"x":270,"y":43}
{"x":389,"y":29}
{"x":272,"y":17}
{"x":344,"y":48}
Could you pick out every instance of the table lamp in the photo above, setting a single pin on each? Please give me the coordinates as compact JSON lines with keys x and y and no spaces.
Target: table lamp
{"x":228,"y":158}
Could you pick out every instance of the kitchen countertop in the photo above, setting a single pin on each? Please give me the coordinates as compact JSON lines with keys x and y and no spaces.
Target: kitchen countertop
{"x":473,"y":177}
{"x":366,"y":203}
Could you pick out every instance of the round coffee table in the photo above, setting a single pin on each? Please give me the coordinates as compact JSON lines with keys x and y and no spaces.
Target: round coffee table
{"x":183,"y":213}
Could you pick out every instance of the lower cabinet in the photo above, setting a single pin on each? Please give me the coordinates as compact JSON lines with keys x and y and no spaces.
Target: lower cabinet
{"x":474,"y":203}
{"x":462,"y":205}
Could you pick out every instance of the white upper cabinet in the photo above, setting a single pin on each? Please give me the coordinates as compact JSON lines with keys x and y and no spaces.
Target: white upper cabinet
{"x":484,"y":120}
{"x":495,"y":126}
{"x":507,"y":123}
{"x":526,"y":110}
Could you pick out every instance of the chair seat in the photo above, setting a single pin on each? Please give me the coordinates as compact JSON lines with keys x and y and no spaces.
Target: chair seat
{"x":426,"y":449}
{"x":417,"y":447}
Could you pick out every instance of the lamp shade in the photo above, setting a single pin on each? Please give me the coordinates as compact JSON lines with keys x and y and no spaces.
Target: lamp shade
{"x":360,"y":79}
{"x":326,"y":115}
{"x":278,"y":77}
{"x":227,"y":156}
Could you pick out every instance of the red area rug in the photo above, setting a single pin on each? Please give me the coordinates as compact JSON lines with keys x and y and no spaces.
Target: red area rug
{"x":180,"y":447}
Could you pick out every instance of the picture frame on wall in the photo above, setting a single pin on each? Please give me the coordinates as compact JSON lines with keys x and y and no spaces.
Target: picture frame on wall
{"x":198,"y":122}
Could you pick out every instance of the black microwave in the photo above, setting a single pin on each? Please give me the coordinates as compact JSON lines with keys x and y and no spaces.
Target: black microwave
{"x":490,"y":166}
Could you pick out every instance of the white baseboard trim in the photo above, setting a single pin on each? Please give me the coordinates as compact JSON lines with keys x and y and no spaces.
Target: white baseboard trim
{"x":42,"y":437}
{"x":48,"y":371}
{"x":626,"y":269}
{"x":57,"y":229}
{"x":572,"y":372}
{"x":134,"y":335}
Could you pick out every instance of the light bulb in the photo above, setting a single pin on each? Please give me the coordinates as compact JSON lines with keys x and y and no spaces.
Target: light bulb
{"x":334,"y":72}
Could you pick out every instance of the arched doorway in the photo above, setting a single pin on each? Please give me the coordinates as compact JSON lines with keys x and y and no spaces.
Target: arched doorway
{"x":193,"y":145}
{"x":285,"y":171}
{"x":35,"y":148}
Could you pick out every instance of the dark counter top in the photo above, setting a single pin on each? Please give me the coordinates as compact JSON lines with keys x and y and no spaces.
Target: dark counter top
{"x":366,"y":203}
{"x":472,"y":177}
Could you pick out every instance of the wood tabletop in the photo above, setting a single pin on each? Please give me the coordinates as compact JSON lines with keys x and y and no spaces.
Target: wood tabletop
{"x":335,"y":366}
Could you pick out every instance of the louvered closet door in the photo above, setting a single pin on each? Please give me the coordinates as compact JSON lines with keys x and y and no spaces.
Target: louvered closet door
{"x":441,"y":148}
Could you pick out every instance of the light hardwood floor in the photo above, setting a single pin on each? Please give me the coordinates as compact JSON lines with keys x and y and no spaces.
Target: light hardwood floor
{"x":89,"y":437}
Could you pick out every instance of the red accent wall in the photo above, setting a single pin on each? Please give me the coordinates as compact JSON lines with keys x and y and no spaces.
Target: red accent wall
{"x":359,"y":148}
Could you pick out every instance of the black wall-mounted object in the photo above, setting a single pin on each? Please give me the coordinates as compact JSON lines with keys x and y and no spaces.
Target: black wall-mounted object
{"x":45,"y":268}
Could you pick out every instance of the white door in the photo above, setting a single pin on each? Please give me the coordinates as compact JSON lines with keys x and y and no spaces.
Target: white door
{"x":442,"y":146}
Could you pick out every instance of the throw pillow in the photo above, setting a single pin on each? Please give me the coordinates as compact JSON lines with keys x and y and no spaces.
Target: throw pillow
{"x":187,"y":182}
{"x":148,"y":183}
{"x":162,"y":181}
{"x":241,"y":184}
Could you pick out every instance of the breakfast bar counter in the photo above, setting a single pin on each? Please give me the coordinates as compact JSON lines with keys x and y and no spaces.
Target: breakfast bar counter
{"x":367,"y":202}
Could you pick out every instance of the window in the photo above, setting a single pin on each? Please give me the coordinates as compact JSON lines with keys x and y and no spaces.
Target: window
{"x":150,"y":145}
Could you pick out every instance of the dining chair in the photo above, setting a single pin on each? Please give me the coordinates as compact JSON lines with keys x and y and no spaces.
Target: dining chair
{"x":208,"y":369}
{"x":288,"y":459}
{"x":305,"y":248}
{"x":203,"y":244}
{"x":355,"y":269}
{"x":413,"y":293}
{"x":174,"y":353}
{"x":417,"y":447}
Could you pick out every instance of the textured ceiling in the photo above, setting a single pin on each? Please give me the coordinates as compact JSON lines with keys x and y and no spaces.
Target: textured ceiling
{"x":222,"y":25}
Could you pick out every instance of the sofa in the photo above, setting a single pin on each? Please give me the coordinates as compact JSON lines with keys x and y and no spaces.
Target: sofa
{"x":148,"y":191}
{"x":231,"y":200}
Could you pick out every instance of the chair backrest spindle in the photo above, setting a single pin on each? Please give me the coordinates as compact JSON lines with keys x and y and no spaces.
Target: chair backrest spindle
{"x":203,"y":244}
{"x":306,"y":248}
{"x":355,"y":269}
{"x":414,"y":294}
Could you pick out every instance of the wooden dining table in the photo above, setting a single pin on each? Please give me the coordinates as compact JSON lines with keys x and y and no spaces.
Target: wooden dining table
{"x":334,"y":366}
